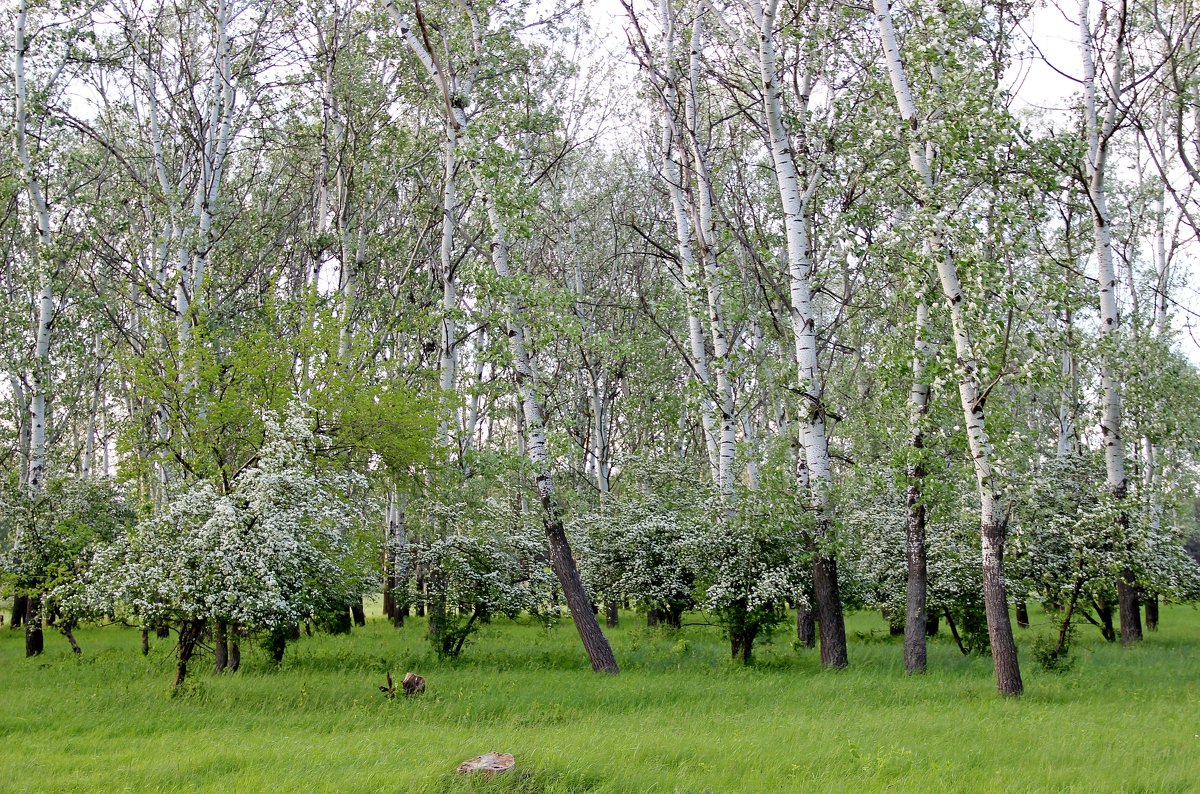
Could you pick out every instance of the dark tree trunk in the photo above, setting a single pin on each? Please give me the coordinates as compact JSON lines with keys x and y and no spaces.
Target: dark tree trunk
{"x":359,"y":612}
{"x":1004,"y":646}
{"x":68,"y":630}
{"x":1104,"y":614}
{"x":596,"y":645}
{"x":1064,"y":629}
{"x":235,"y":651}
{"x":931,"y":624}
{"x":389,"y":603}
{"x":748,"y":647}
{"x":829,"y":612}
{"x":17,"y":619}
{"x":34,"y":642}
{"x":674,"y":615}
{"x":651,"y":617}
{"x":1152,"y":613}
{"x":277,"y":644}
{"x":806,"y":626}
{"x":954,"y":633}
{"x":145,"y":642}
{"x":163,"y":631}
{"x":423,"y":589}
{"x":610,"y":614}
{"x":399,"y":613}
{"x":190,"y":632}
{"x":1022,"y":614}
{"x":1131,"y":615}
{"x":221,"y":646}
{"x":916,"y":614}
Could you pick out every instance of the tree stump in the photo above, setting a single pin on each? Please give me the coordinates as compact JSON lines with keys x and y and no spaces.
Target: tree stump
{"x":490,"y":765}
{"x":413,"y":684}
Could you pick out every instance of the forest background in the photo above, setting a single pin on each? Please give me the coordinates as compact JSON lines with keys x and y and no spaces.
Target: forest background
{"x":775,"y":312}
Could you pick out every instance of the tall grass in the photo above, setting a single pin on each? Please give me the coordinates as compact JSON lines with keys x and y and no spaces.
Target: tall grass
{"x":680,"y":717}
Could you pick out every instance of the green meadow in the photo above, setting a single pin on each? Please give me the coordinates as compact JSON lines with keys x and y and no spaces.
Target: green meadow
{"x":679,"y":718}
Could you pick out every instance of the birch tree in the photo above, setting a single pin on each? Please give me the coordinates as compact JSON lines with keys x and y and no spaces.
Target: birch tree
{"x":416,"y":38}
{"x":993,"y":516}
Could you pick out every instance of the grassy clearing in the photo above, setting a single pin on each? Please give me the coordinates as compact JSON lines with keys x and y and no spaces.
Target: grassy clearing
{"x":680,"y":717}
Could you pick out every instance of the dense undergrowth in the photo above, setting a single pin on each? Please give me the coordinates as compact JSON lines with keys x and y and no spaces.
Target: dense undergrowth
{"x":680,"y":717}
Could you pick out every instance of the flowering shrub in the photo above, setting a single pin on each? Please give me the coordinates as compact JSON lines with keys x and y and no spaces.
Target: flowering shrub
{"x":478,"y":560}
{"x":632,"y":550}
{"x":51,"y":534}
{"x":268,"y":552}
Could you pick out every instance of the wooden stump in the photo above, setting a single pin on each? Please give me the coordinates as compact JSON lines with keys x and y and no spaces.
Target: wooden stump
{"x":490,"y":765}
{"x":413,"y":684}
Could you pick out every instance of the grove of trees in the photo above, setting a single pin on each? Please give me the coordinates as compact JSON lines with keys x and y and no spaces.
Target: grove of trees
{"x":780,"y":307}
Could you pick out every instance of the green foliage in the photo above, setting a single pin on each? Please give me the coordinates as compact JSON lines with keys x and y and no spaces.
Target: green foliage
{"x":1049,"y":656}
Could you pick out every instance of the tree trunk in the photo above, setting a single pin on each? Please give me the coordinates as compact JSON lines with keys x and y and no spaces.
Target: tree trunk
{"x":1099,"y":134}
{"x":221,"y":646}
{"x":145,"y":642}
{"x":34,"y":642}
{"x":190,"y":632}
{"x":455,"y":96}
{"x":954,"y":633}
{"x":829,"y":612}
{"x":1131,"y":615}
{"x":1022,"y":614}
{"x":1152,"y":613}
{"x":814,"y":438}
{"x":806,"y":627}
{"x":163,"y":631}
{"x":931,"y":625}
{"x":359,"y":613}
{"x":917,"y":587}
{"x":596,"y":645}
{"x":610,"y":614}
{"x":235,"y":650}
{"x":1104,"y":615}
{"x":992,"y":519}
{"x":17,"y":618}
{"x":67,"y":629}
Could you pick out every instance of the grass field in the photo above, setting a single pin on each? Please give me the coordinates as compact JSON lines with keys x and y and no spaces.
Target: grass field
{"x":680,"y":717}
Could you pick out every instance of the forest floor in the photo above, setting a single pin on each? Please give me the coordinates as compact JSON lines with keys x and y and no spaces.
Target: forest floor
{"x":680,"y":718}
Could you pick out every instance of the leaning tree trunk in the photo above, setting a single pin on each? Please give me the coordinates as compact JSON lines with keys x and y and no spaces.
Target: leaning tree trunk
{"x":993,"y":519}
{"x":562,"y":562}
{"x":190,"y":633}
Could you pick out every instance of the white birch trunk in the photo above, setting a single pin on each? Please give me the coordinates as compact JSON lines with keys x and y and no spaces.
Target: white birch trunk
{"x":595,"y":644}
{"x":40,"y":376}
{"x":814,"y":440}
{"x":1099,"y":130}
{"x":993,"y":519}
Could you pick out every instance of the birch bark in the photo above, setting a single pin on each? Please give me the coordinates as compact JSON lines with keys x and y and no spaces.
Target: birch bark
{"x":813,"y":433}
{"x":562,"y":562}
{"x":993,"y":519}
{"x":1100,"y":129}
{"x":39,"y":378}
